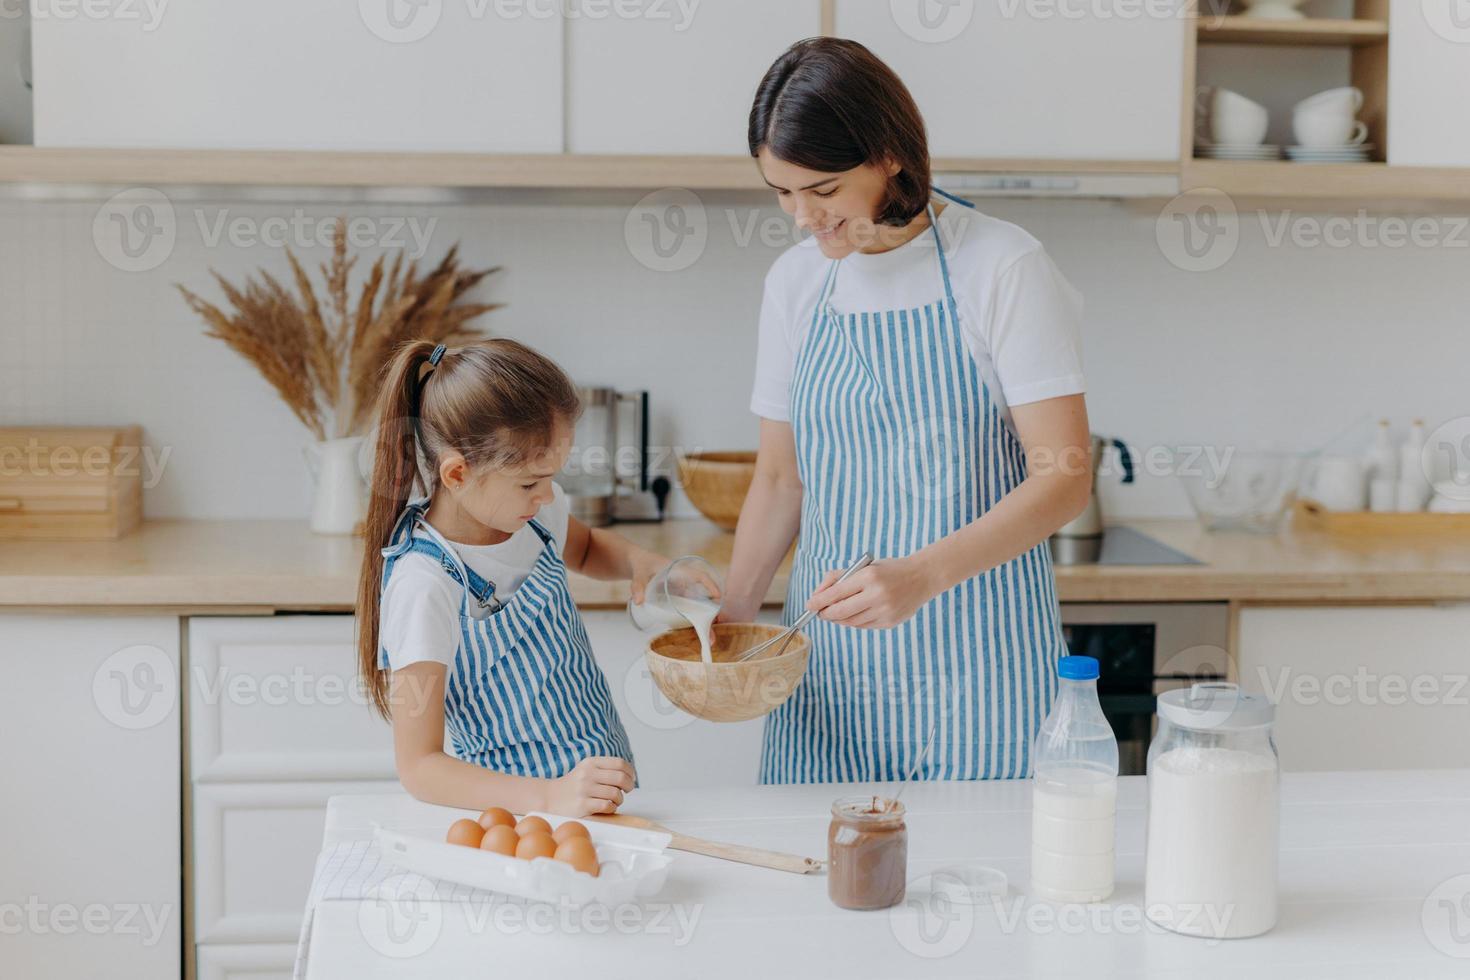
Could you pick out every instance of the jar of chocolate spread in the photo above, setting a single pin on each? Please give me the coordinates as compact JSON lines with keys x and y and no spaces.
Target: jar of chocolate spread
{"x":867,"y":853}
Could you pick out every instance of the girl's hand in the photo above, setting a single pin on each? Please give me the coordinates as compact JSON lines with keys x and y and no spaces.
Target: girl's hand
{"x":596,"y":785}
{"x":646,"y":564}
{"x":883,"y":595}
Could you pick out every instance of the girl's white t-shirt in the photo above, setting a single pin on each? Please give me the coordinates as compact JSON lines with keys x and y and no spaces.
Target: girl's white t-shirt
{"x":1013,"y":302}
{"x":418,"y":618}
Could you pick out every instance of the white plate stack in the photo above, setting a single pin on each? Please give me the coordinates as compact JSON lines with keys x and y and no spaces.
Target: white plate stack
{"x":1330,"y":154}
{"x":1237,"y":151}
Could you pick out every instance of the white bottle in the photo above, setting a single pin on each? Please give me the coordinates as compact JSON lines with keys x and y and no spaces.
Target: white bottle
{"x":1074,"y":792}
{"x":1382,"y":457}
{"x":1414,"y":486}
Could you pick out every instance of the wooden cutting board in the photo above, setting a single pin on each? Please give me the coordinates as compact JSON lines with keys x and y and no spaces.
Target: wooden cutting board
{"x":70,"y":482}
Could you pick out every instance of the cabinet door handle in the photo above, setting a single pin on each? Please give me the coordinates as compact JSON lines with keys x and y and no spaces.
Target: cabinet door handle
{"x":10,"y":503}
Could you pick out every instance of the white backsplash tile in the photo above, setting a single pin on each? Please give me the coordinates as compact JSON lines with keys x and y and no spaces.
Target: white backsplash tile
{"x":1283,"y":343}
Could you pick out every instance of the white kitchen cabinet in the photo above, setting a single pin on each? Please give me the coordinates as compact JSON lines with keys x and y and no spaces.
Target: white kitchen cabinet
{"x":281,"y":74}
{"x":255,"y":846}
{"x":90,"y":770}
{"x":1362,"y":687}
{"x":670,"y":748}
{"x":1428,"y":78}
{"x":679,"y":77}
{"x":277,"y":697}
{"x":257,"y":962}
{"x":277,"y":724}
{"x":1100,"y":81}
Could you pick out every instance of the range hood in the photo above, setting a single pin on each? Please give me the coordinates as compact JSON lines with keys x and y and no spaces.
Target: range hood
{"x":1100,"y":186}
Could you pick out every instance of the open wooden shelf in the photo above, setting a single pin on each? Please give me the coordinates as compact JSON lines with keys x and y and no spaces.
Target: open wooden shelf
{"x":1280,"y":181}
{"x":1365,"y":183}
{"x":1299,"y":33}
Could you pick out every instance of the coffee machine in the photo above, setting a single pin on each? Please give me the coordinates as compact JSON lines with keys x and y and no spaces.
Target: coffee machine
{"x":607,"y":475}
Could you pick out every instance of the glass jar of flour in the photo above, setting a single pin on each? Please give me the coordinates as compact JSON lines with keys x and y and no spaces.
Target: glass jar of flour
{"x":1214,"y":813}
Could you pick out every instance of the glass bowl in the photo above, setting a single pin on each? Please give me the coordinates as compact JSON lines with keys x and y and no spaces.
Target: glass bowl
{"x":1247,"y":491}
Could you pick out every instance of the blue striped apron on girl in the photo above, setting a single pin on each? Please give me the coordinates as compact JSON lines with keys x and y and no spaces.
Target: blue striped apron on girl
{"x":899,"y":443}
{"x":524,"y":694}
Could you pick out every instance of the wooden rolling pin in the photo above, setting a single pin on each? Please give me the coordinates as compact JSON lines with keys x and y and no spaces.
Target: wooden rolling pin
{"x":728,"y":852}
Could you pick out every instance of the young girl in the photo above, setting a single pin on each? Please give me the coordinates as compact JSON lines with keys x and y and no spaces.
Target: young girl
{"x":466,"y":621}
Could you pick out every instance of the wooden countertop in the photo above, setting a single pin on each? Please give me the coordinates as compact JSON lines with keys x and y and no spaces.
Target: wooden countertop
{"x":260,"y":566}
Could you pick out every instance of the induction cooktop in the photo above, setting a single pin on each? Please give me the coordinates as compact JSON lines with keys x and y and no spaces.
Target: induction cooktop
{"x":1117,"y":546}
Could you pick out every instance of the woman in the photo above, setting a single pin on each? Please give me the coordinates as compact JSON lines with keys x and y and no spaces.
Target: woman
{"x":919,"y":384}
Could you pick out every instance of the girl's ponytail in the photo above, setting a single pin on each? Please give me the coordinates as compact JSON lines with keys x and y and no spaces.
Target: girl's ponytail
{"x":495,"y":403}
{"x":395,"y":476}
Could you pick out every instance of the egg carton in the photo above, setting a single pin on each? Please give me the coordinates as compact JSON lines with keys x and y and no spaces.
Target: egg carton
{"x":632,"y":865}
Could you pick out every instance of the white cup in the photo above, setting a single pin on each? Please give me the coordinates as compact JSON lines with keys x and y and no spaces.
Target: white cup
{"x":1233,"y":118}
{"x":1346,"y":100}
{"x":1338,"y":483}
{"x":1323,"y":129}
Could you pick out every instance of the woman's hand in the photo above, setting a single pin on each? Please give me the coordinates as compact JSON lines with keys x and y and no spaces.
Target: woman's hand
{"x":883,"y":595}
{"x":596,"y":785}
{"x":742,"y":613}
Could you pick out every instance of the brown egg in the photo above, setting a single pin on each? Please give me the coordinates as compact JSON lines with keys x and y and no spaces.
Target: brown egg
{"x":465,"y":832}
{"x":534,"y":846}
{"x":565,"y":832}
{"x":532,"y":825}
{"x":497,"y":816}
{"x":579,"y":853}
{"x":500,"y":839}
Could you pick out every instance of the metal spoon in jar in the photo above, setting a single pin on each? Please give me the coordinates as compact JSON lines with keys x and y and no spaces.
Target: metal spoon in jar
{"x":914,"y":769}
{"x":784,"y":637}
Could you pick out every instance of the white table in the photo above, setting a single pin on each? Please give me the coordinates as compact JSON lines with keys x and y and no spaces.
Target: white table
{"x":1375,"y":884}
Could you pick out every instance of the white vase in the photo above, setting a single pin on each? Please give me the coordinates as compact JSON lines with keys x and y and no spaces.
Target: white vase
{"x":339,"y":502}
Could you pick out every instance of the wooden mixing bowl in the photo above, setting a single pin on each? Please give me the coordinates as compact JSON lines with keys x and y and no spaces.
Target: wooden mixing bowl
{"x":724,"y":691}
{"x":717,"y":483}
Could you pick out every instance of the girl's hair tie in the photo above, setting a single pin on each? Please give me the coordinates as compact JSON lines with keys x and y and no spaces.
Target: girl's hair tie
{"x":437,"y":356}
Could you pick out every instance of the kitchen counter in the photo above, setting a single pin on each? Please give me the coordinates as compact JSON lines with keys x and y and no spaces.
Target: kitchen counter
{"x":1373,"y":883}
{"x":262,"y":566}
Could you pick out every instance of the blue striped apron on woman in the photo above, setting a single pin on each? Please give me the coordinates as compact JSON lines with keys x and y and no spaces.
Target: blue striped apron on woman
{"x":524,"y":694}
{"x":900,"y":443}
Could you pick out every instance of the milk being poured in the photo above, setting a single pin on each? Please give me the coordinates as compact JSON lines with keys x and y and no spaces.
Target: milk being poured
{"x":701,"y":615}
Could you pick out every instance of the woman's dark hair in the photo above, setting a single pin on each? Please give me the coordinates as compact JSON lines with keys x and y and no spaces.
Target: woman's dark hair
{"x":831,"y":105}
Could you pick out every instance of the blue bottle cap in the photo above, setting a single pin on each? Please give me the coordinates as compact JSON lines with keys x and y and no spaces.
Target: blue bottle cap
{"x":1078,"y":668}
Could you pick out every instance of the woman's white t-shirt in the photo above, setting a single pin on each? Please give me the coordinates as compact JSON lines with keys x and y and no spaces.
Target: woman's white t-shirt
{"x":1013,"y":303}
{"x":419,"y":616}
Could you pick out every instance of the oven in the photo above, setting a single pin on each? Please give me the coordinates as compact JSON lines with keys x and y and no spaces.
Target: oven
{"x":1144,"y":650}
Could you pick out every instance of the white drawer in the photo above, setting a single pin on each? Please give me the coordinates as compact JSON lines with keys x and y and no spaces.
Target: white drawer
{"x":255,"y":848}
{"x":256,"y":962}
{"x":277,"y":698}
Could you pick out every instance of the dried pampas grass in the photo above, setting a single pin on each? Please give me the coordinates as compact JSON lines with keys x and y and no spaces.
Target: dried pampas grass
{"x":325,"y":359}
